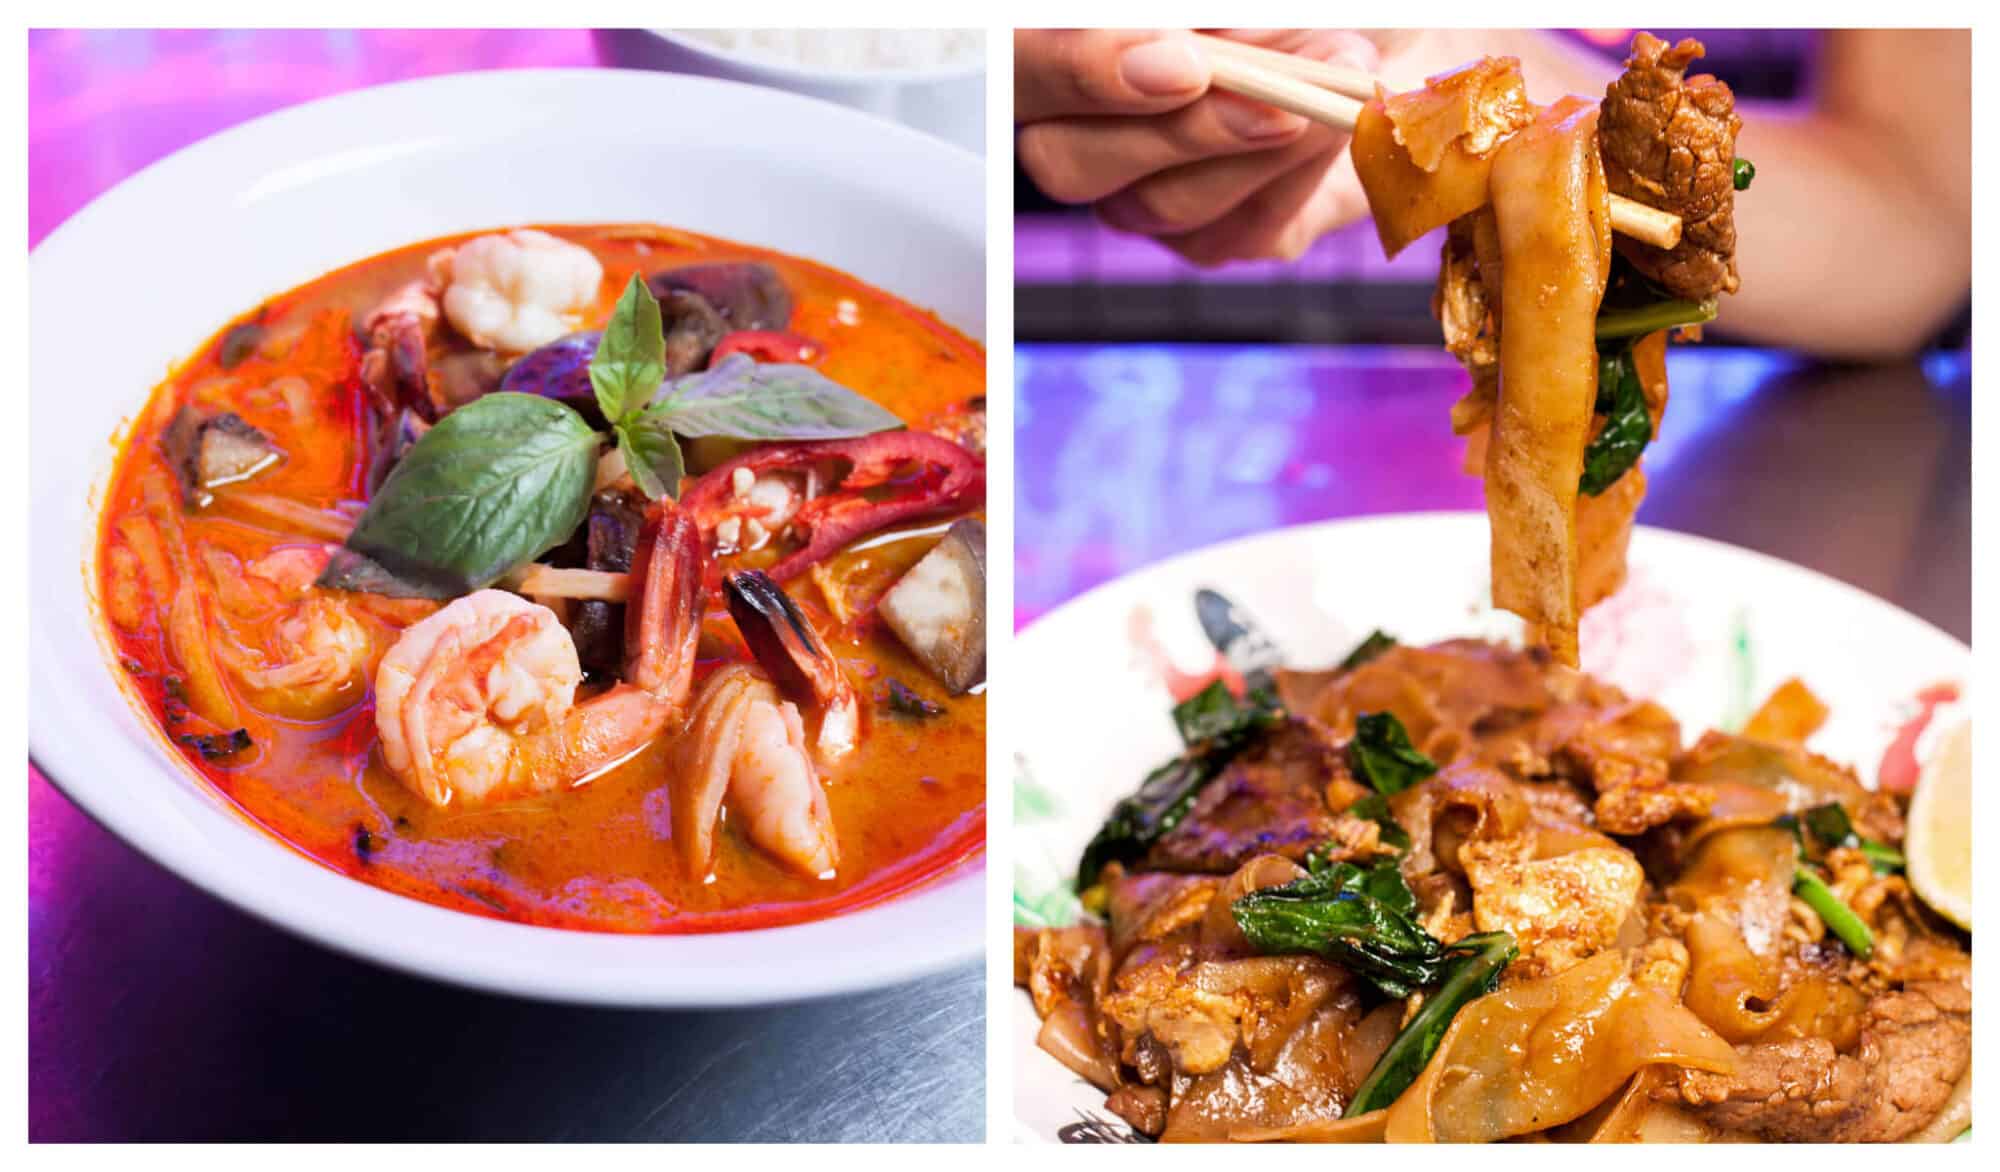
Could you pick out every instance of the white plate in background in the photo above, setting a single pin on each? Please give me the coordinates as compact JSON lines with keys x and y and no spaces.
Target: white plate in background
{"x":1706,"y":629}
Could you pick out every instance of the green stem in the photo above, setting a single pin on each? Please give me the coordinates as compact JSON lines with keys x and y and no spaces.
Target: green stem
{"x":1886,"y":860}
{"x":1660,"y":315}
{"x":1407,"y":1056}
{"x":1837,"y":916}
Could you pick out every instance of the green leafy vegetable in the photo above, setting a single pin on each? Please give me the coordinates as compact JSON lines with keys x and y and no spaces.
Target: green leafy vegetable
{"x":1742,"y":172}
{"x":630,"y":360}
{"x":1837,"y":916}
{"x":1634,"y":305}
{"x":1470,"y":978}
{"x":1830,"y":828}
{"x":1381,"y":754}
{"x":652,"y":456}
{"x":492,"y":486}
{"x":1371,"y":647}
{"x":745,"y":399}
{"x":1215,"y":712}
{"x":1375,"y":808}
{"x":1621,"y":399}
{"x":1363,"y":918}
{"x":1165,"y":797}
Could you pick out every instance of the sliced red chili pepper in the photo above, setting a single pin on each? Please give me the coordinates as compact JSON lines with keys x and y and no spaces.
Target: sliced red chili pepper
{"x":768,"y":346}
{"x":874,"y":481}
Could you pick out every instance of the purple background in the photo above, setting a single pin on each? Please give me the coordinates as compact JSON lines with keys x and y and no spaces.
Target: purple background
{"x":1127,"y":454}
{"x":156,"y":1012}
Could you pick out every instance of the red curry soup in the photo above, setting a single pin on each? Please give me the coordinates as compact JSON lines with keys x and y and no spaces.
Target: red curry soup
{"x":609,"y":577}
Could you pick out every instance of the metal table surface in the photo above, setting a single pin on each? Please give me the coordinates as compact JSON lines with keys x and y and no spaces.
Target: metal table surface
{"x":157,"y":1012}
{"x":1128,"y":454}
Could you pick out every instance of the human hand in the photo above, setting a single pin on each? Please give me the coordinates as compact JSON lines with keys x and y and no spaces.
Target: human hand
{"x":1125,"y":120}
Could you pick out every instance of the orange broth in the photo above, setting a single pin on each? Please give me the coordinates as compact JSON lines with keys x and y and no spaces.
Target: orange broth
{"x":907,"y":806}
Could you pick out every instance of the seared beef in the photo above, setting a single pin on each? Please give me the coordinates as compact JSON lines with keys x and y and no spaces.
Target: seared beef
{"x":1670,"y":142}
{"x":1915,"y":1046}
{"x":1271,"y":800}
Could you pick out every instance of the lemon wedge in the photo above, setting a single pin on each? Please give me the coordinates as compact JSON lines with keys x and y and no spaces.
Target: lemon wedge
{"x":1939,"y":842}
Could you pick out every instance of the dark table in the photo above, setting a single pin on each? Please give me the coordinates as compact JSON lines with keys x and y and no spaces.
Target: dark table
{"x":156,"y":1012}
{"x":1128,"y":454}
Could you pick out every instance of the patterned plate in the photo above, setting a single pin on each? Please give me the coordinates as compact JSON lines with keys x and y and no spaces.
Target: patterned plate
{"x":1706,"y":629}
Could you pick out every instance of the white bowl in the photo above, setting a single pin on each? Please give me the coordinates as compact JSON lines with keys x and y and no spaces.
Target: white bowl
{"x":948,"y":101}
{"x":137,"y":280}
{"x":1704,"y":628}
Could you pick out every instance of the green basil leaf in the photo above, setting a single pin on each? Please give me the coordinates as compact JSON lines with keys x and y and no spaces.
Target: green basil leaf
{"x":1375,"y":644}
{"x":1375,"y":808}
{"x":492,"y":486}
{"x":1381,"y":754}
{"x":1215,"y":712}
{"x":745,"y":399}
{"x":631,"y":357}
{"x":1628,"y":428}
{"x":1364,"y":918}
{"x":652,"y":456}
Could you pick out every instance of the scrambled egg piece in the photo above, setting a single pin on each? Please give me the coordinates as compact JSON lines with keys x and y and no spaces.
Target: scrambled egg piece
{"x":1562,"y":909}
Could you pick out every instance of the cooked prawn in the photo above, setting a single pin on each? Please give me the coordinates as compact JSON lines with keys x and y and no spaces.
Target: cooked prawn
{"x":786,"y":645}
{"x":312,"y":651}
{"x":478,"y":701}
{"x":747,"y":743}
{"x":396,"y":366}
{"x":516,"y":290}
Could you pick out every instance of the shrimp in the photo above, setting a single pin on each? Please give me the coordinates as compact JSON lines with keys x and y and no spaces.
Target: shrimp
{"x":787,"y":647}
{"x":478,"y":701}
{"x":518,"y":290}
{"x":396,"y":366}
{"x":299,"y":651}
{"x":747,"y":743}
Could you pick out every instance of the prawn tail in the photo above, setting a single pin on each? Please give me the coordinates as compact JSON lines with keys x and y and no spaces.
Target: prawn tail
{"x":663,"y":618}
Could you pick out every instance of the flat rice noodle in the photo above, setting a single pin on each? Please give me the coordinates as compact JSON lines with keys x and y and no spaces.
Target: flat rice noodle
{"x":1604,"y":536}
{"x":1360,"y":1129}
{"x":1553,"y":212}
{"x":1540,"y":1053}
{"x":1406,"y":201}
{"x":1423,"y":157}
{"x":1066,"y":1035}
{"x":1636,"y":1117}
{"x":1738,"y":885}
{"x":1788,"y":716}
{"x":1474,"y":108}
{"x":1729,"y":987}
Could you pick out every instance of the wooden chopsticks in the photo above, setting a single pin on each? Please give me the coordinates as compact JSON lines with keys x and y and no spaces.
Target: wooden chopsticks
{"x":1332,"y":95}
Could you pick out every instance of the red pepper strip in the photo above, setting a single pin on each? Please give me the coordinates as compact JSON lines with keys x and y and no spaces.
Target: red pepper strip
{"x":768,"y":346}
{"x":946,"y":477}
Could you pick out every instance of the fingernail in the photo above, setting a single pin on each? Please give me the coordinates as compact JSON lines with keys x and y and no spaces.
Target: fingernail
{"x":1161,"y":69}
{"x":1253,"y":121}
